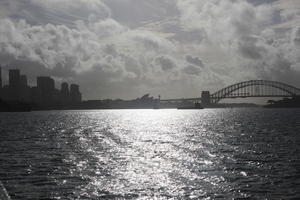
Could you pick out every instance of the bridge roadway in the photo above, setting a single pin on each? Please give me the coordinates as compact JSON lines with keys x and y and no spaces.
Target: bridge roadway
{"x":229,"y":97}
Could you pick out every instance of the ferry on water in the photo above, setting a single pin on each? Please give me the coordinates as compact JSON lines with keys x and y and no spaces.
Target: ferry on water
{"x":197,"y":105}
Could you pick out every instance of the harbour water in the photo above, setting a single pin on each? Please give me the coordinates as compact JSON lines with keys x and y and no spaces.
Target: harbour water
{"x":151,"y":154}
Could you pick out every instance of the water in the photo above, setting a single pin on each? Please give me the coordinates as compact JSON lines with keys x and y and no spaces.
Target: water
{"x":151,"y":154}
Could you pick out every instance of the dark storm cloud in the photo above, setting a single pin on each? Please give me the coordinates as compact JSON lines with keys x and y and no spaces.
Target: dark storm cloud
{"x":296,"y":36}
{"x":250,"y":47}
{"x":165,"y":63}
{"x":259,"y":2}
{"x":194,"y":60}
{"x":251,"y":52}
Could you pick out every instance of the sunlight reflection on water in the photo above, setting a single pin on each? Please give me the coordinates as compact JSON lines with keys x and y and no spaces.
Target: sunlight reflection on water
{"x":140,"y":154}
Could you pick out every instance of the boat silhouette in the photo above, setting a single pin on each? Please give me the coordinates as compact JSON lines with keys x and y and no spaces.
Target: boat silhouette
{"x":197,"y":105}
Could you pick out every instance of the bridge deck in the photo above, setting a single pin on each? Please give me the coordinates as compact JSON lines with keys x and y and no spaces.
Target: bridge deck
{"x":228,"y":97}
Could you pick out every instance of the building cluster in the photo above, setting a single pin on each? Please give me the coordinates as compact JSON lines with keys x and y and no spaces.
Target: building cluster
{"x":43,"y":93}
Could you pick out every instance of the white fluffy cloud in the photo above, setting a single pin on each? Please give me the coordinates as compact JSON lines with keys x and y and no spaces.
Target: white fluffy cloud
{"x":244,"y":31}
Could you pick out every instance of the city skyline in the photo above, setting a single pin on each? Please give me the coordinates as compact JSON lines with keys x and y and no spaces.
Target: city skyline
{"x":43,"y":93}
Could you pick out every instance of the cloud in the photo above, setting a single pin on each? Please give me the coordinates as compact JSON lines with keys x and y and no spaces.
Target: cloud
{"x":191,"y":70}
{"x":194,"y":60}
{"x":296,"y":36}
{"x":246,"y":34}
{"x":165,"y":63}
{"x":47,"y":11}
{"x":251,"y":48}
{"x":136,"y":13}
{"x":222,"y":21}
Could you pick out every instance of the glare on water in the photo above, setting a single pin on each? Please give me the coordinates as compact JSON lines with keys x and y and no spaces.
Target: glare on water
{"x":142,"y":154}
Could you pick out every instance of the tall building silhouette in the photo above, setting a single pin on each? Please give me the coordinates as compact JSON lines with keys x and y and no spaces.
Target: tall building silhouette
{"x":65,"y":93}
{"x":0,"y":77}
{"x":1,"y":90}
{"x":23,"y":80}
{"x":75,"y":93}
{"x":46,"y":89}
{"x":65,"y":88}
{"x":25,"y":95}
{"x":14,"y":84}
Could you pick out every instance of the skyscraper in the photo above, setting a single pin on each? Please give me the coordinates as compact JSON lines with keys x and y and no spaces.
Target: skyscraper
{"x":0,"y":77}
{"x":1,"y":91}
{"x":46,"y":88}
{"x":65,"y":88}
{"x":75,"y":93}
{"x":23,"y":80}
{"x":14,"y":77}
{"x":24,"y":89}
{"x":14,"y":84}
{"x":65,"y":93}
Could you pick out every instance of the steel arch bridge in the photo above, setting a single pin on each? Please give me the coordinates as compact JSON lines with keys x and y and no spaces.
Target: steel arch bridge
{"x":255,"y":88}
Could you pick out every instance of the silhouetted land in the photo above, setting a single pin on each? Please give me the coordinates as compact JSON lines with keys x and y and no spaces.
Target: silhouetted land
{"x":144,"y":102}
{"x":14,"y":106}
{"x":234,"y":105}
{"x":284,"y":103}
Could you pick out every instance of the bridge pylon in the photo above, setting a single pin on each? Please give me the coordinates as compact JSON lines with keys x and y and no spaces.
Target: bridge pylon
{"x":205,"y":98}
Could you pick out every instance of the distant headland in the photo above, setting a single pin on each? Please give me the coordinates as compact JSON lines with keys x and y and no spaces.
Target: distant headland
{"x":285,"y":103}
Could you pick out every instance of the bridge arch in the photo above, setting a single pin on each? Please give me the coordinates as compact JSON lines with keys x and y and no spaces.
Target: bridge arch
{"x":255,"y":88}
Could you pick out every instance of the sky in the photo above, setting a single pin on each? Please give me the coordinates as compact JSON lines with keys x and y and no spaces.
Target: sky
{"x":175,"y":48}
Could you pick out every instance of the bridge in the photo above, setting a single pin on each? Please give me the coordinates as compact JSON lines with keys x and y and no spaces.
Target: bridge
{"x":252,"y":88}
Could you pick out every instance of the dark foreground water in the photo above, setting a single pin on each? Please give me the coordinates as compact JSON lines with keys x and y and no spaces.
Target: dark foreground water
{"x":151,"y":154}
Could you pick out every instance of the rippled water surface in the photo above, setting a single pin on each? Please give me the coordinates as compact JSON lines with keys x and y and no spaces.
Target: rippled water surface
{"x":151,"y":154}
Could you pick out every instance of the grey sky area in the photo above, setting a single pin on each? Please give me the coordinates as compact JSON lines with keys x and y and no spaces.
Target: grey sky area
{"x":176,"y":48}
